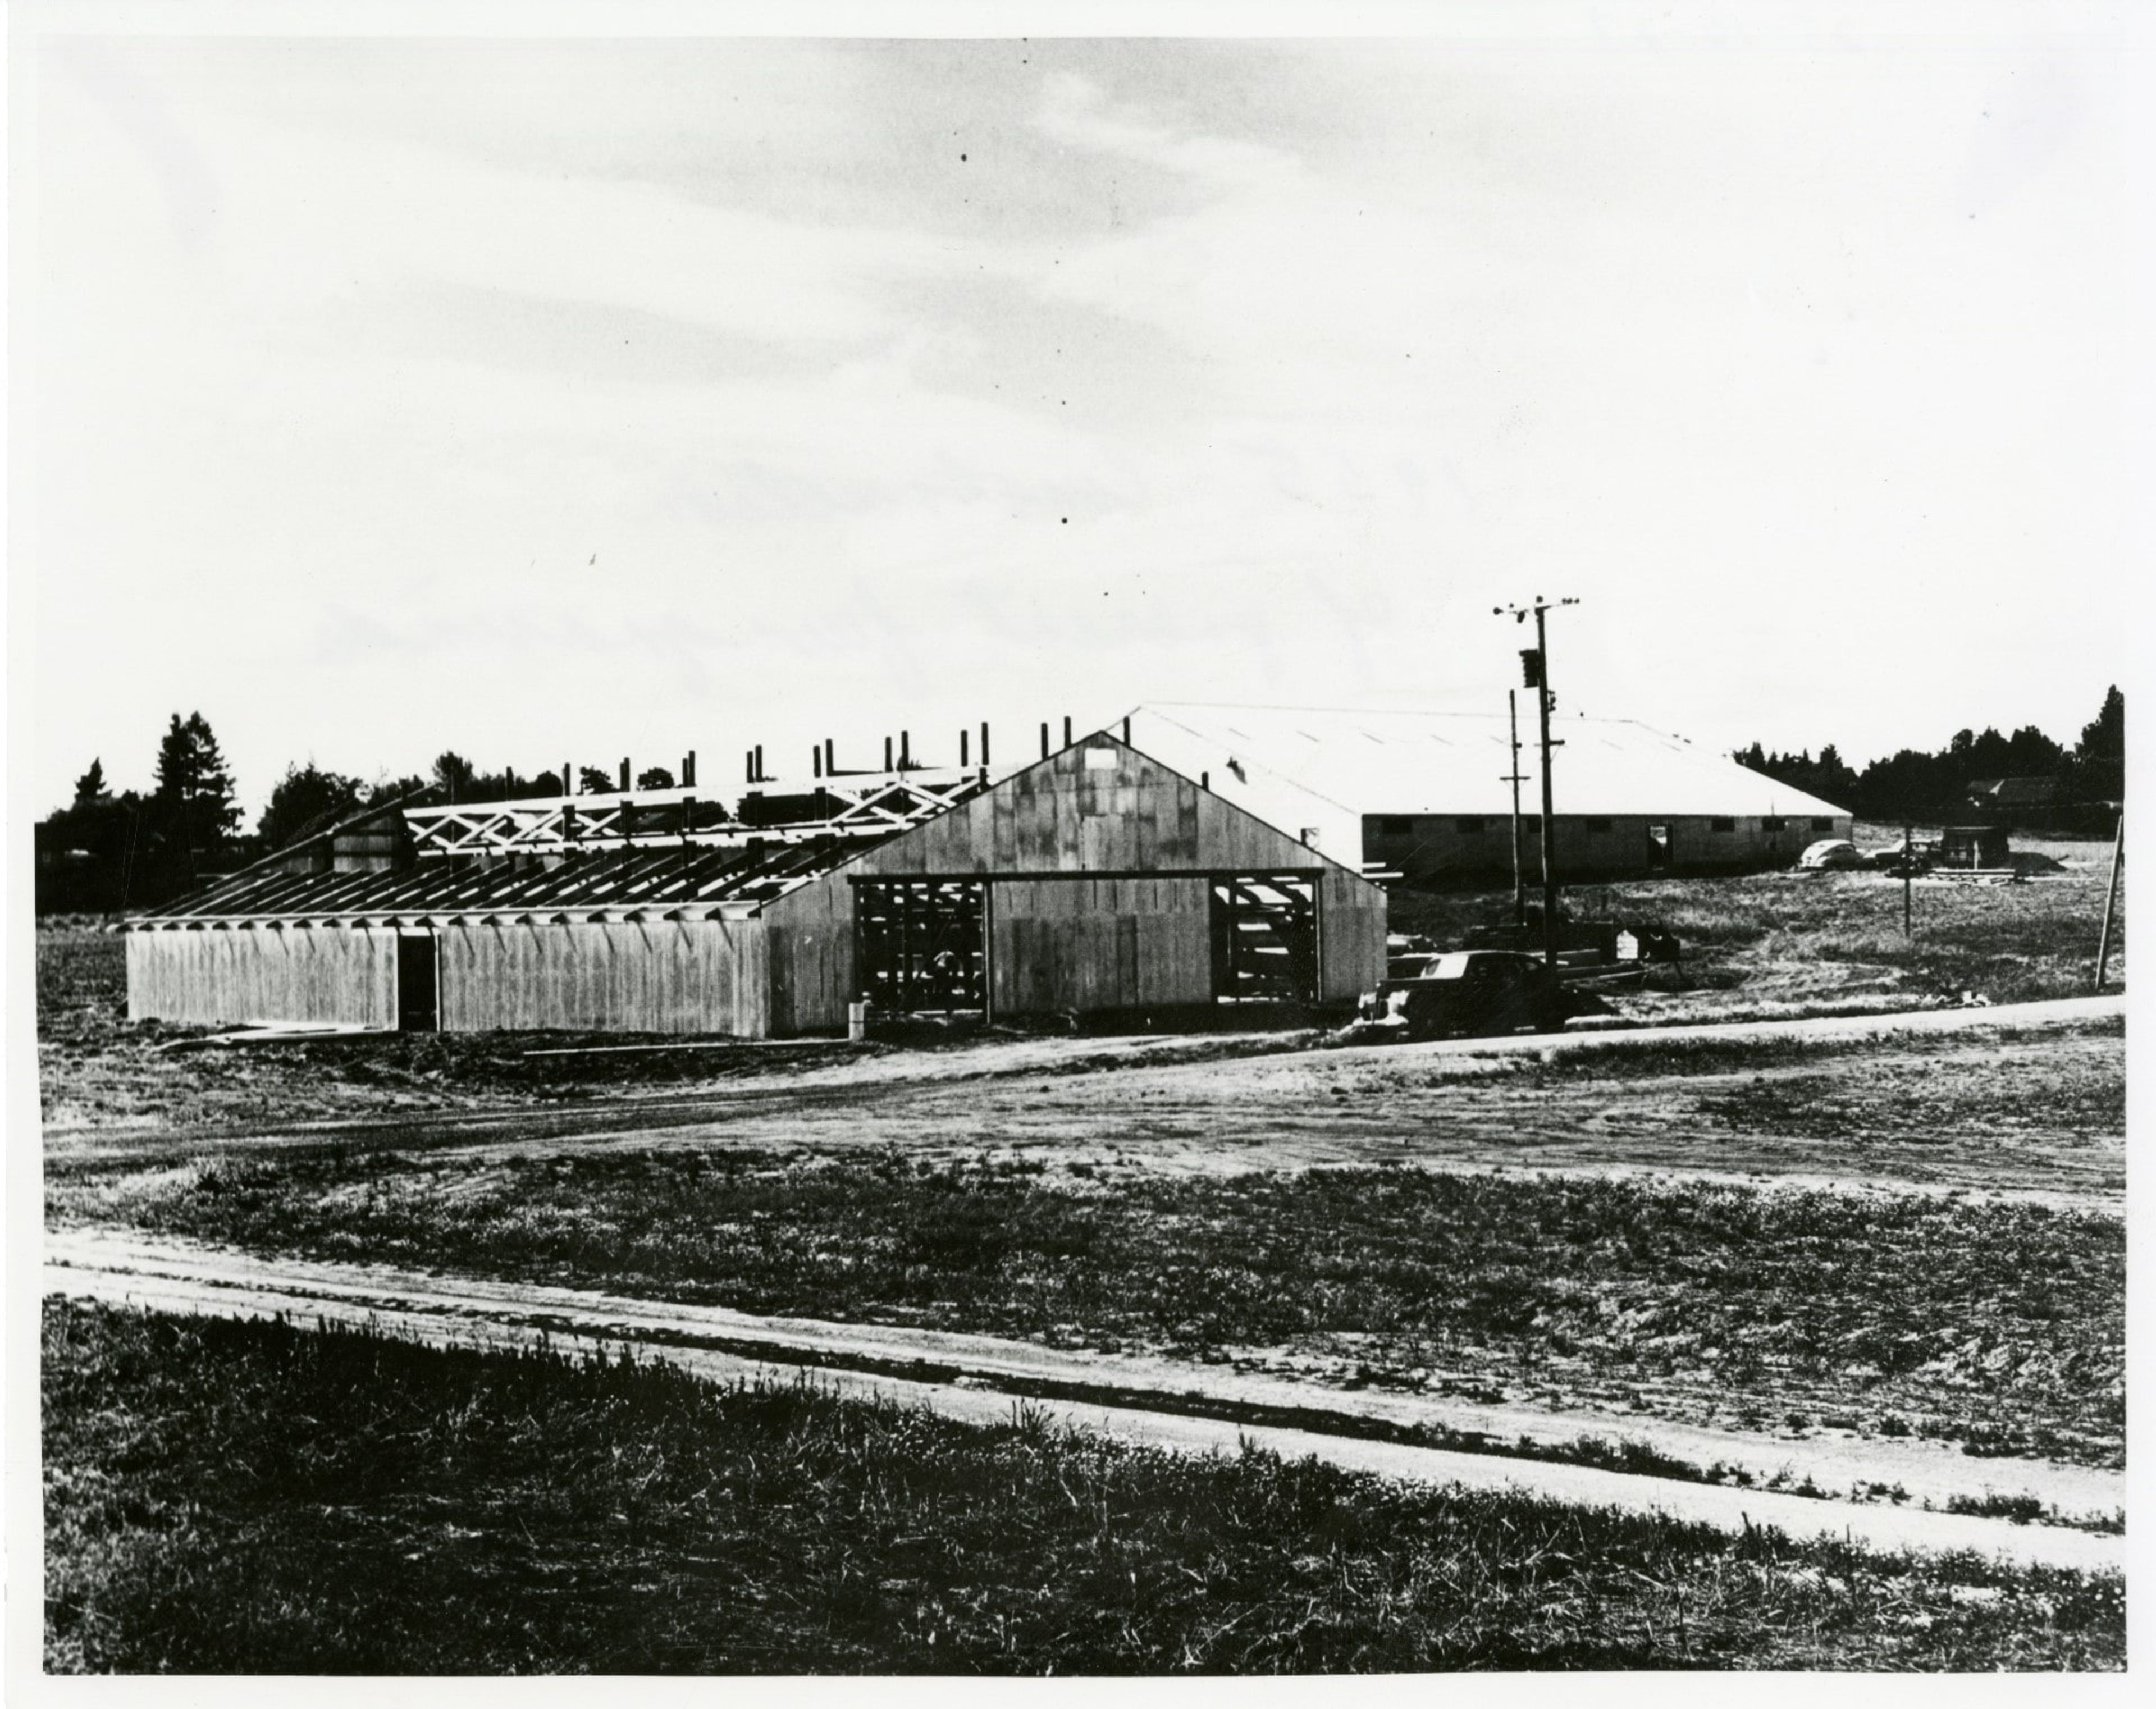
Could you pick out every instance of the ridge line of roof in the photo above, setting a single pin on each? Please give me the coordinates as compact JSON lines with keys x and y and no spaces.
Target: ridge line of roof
{"x":1270,"y":771}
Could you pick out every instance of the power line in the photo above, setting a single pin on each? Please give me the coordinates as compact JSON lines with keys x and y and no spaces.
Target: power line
{"x":1535,"y":666}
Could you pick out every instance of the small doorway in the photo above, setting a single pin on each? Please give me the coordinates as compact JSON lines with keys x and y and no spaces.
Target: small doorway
{"x":1265,"y":938}
{"x":419,"y":1005}
{"x":1658,"y":848}
{"x":920,"y":943}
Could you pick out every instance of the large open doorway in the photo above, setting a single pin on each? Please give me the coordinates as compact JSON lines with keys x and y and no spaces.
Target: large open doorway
{"x":1658,"y":848}
{"x":419,"y":1003}
{"x":921,"y":944}
{"x":1265,"y":938}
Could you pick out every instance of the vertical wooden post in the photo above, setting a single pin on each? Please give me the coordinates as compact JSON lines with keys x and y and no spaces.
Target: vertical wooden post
{"x":984,"y":742}
{"x":831,"y":758}
{"x":1519,"y":852}
{"x":963,"y":736}
{"x":1908,"y":881}
{"x":759,"y":764}
{"x":988,"y":929}
{"x":1549,"y":813}
{"x":886,"y":754}
{"x":1066,"y":729}
{"x":1044,"y":742}
{"x":624,"y":774}
{"x":2110,"y":901}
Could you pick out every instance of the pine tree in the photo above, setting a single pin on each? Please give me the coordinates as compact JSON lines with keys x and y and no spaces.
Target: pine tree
{"x":90,"y":790}
{"x":455,"y":776}
{"x":2106,"y":738}
{"x":195,"y":813}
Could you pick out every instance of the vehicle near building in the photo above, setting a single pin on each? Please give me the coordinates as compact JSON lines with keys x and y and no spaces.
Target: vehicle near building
{"x":1831,"y":854}
{"x":1476,"y":992}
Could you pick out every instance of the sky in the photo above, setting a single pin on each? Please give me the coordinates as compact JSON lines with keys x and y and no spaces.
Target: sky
{"x":571,"y":399}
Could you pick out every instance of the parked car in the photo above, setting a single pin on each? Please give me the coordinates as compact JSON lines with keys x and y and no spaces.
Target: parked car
{"x":1918,"y":856}
{"x":1481,"y":992}
{"x":1832,"y":854}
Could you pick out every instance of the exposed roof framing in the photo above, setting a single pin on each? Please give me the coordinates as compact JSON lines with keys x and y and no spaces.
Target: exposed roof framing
{"x":687,"y":883}
{"x":863,"y":804}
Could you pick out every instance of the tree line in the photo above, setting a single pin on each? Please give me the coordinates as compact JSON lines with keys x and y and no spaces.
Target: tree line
{"x":1915,"y":787}
{"x":102,"y":852}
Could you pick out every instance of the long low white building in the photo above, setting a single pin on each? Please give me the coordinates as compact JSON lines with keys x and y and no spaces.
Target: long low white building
{"x":1425,"y":794}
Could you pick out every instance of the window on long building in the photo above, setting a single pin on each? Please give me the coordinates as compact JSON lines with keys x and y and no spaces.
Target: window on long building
{"x":1721,"y":825}
{"x":1468,"y":827}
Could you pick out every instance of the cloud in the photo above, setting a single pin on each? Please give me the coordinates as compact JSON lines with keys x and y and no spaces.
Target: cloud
{"x":1076,"y":112}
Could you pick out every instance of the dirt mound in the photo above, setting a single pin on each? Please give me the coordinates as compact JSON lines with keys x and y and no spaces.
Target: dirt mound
{"x":2029,"y":862}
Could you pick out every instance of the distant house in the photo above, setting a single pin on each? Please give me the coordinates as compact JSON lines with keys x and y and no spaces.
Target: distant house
{"x":1425,"y":794}
{"x":1974,"y":848}
{"x":2032,"y":803}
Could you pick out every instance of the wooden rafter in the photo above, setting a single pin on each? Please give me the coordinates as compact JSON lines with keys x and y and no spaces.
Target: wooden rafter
{"x":868,"y":805}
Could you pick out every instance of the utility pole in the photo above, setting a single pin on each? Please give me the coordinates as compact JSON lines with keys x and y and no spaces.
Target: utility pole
{"x":1513,"y":777}
{"x":1537,"y":667}
{"x":1908,"y":880}
{"x":2110,"y":901}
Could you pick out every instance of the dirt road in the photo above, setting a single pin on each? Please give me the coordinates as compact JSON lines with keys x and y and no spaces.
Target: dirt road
{"x":2026,"y":1099}
{"x":981,"y":1378}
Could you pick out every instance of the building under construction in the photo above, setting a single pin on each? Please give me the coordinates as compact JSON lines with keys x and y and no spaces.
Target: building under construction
{"x":1096,"y":882}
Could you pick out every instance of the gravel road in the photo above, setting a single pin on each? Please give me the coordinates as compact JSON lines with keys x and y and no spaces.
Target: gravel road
{"x":981,"y":1378}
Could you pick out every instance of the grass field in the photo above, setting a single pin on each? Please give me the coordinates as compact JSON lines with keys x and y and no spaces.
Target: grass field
{"x":1998,"y":1326}
{"x":226,"y":1497}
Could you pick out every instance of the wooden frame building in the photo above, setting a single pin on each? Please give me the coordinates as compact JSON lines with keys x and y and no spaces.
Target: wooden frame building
{"x":1098,"y":882}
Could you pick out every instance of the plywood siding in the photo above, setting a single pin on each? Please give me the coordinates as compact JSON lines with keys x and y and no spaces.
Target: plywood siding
{"x":692,"y":976}
{"x":1351,"y":935}
{"x":1064,"y":815}
{"x":255,"y":975}
{"x":810,"y":943}
{"x":1099,"y":899}
{"x":1073,"y":945}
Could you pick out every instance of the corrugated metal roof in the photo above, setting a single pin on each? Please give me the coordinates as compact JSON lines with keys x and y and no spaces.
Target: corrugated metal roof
{"x":691,"y":883}
{"x":1368,"y":761}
